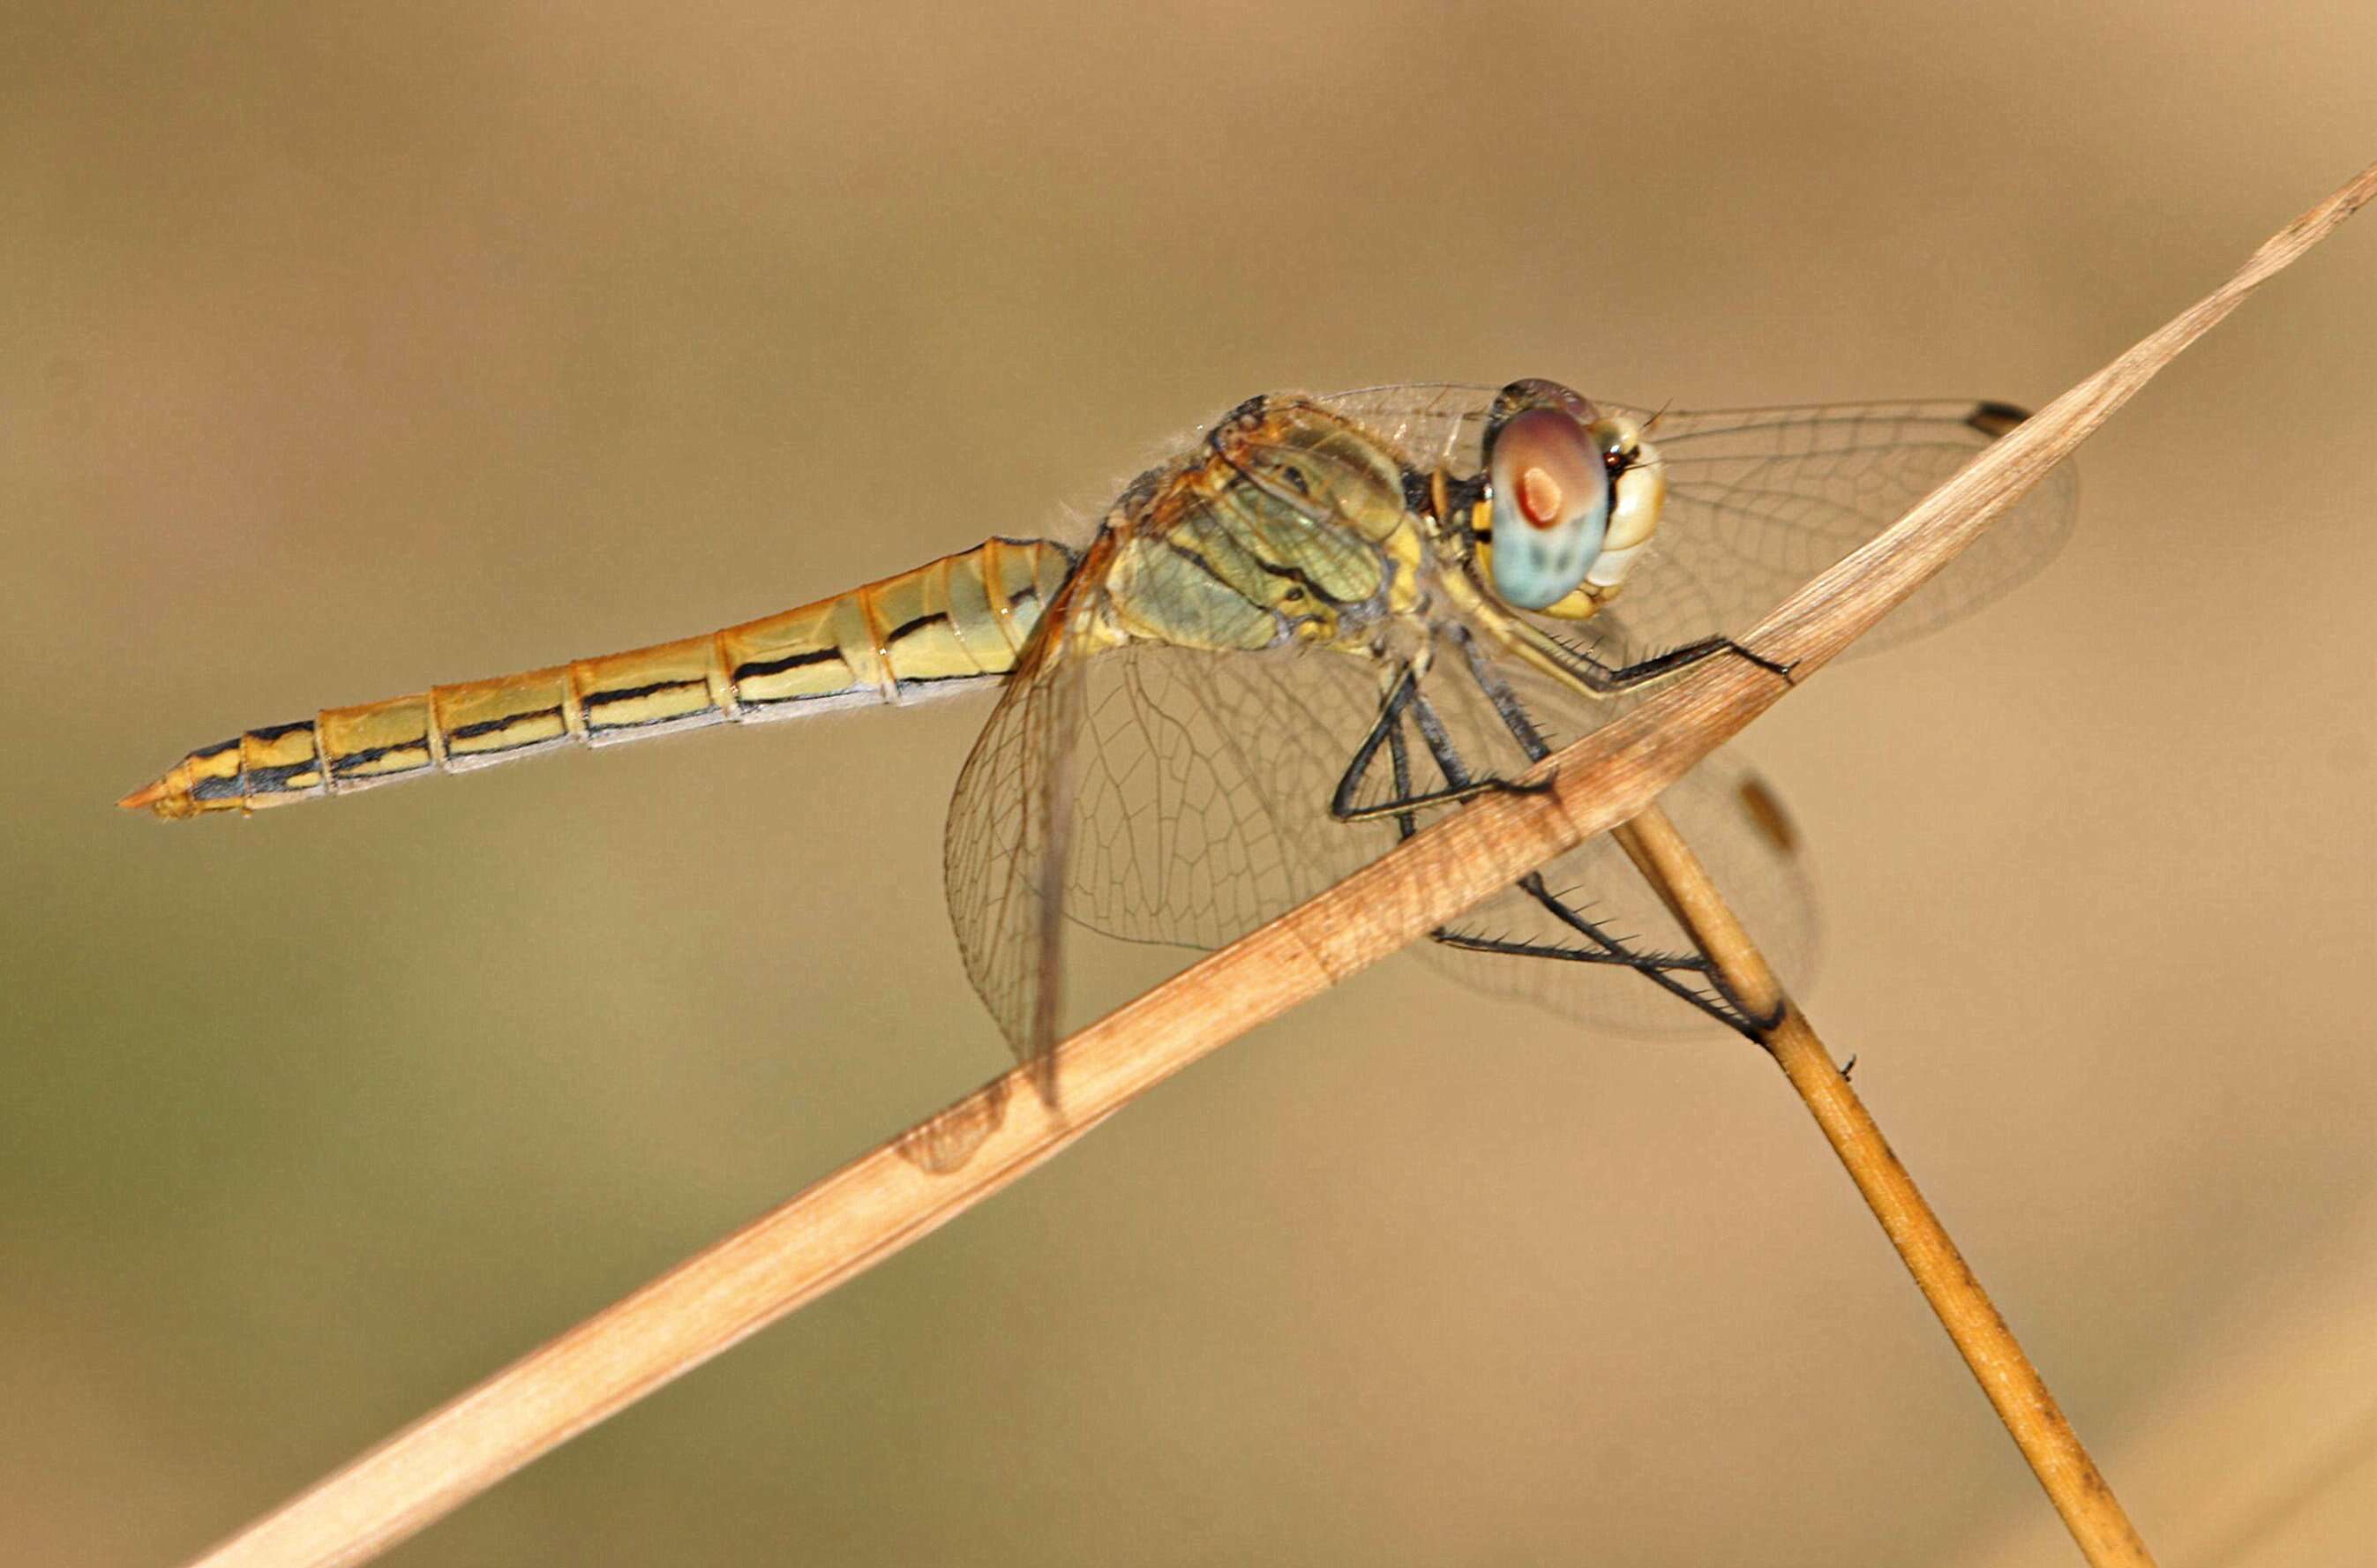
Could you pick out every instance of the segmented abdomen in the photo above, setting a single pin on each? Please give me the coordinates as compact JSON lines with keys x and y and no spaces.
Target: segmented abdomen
{"x":964,"y":618}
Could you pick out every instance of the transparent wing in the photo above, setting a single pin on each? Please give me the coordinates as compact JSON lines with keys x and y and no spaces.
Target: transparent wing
{"x":1199,"y":772}
{"x":1133,"y":791}
{"x":1432,"y":424}
{"x":1203,"y":808}
{"x":1005,"y":845}
{"x":1760,"y":500}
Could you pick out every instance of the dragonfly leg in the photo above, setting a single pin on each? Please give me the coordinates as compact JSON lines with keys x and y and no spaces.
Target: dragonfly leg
{"x":1718,"y":1001}
{"x":1599,"y":675}
{"x":1690,"y":977}
{"x":1404,"y":704}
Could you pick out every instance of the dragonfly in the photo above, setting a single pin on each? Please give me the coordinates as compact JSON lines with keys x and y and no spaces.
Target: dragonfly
{"x":1325,"y":621}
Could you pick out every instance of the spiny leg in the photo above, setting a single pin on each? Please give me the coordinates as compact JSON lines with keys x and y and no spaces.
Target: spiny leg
{"x":1661,"y":968}
{"x":1408,"y":710}
{"x":1606,"y":679}
{"x":1405,"y":703}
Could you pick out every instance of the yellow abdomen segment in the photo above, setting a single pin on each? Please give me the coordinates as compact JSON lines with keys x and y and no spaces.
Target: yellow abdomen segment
{"x":962,"y":619}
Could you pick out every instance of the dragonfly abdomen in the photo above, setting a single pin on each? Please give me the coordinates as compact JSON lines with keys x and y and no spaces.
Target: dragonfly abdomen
{"x":961,"y":620}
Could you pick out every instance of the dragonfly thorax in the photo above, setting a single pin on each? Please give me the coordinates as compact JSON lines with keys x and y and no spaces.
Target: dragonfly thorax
{"x":1287,"y":525}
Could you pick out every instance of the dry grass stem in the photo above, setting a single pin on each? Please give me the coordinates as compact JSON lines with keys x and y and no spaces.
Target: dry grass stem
{"x":2015,"y":1391}
{"x":879,"y":1202}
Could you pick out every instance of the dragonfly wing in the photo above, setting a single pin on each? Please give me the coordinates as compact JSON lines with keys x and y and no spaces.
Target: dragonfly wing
{"x":1005,"y":846}
{"x":1150,"y":793}
{"x":1760,"y":500}
{"x":1432,"y":424}
{"x":1202,"y":807}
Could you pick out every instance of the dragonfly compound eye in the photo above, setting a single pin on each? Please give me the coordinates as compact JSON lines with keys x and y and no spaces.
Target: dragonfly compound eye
{"x":1550,"y":505}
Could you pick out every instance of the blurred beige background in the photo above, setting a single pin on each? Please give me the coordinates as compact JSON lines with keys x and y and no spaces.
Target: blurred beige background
{"x":346,"y":352}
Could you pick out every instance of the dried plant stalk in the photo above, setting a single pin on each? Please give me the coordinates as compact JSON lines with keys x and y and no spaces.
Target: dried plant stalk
{"x":884,"y":1200}
{"x":2021,"y":1397}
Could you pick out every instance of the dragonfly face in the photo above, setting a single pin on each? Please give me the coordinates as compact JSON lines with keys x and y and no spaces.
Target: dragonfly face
{"x":1325,"y":623}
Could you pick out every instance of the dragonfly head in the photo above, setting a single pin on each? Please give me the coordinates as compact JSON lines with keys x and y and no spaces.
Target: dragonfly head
{"x":1571,"y":497}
